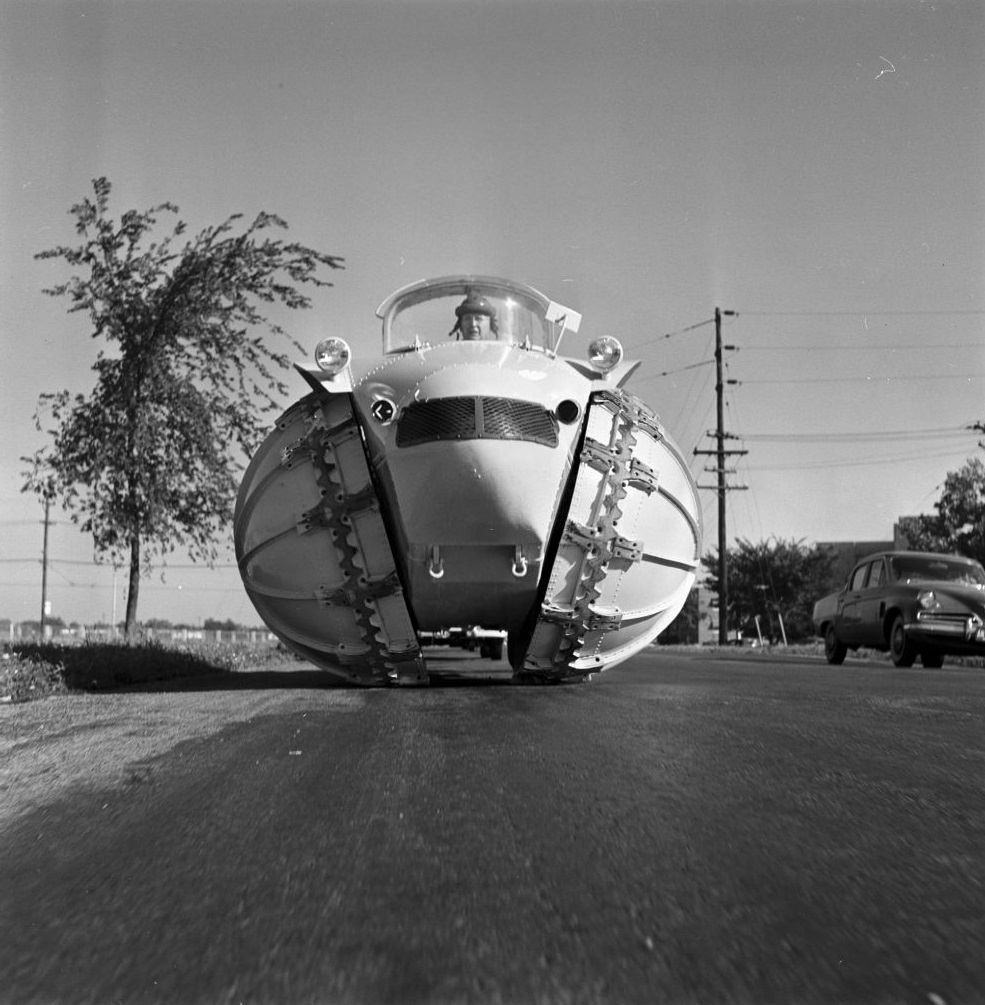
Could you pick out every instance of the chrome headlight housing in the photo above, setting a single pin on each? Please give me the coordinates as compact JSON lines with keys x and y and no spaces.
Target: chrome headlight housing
{"x":332,"y":355}
{"x":604,"y":353}
{"x":927,"y":599}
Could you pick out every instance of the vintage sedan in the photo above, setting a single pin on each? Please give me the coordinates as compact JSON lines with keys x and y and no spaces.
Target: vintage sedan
{"x":909,"y":603}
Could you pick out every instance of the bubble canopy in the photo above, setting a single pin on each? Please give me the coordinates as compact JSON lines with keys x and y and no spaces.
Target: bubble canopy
{"x":423,"y":314}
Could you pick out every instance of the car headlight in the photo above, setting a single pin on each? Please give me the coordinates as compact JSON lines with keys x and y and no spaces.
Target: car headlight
{"x":927,"y":599}
{"x":604,"y":353}
{"x":332,"y":355}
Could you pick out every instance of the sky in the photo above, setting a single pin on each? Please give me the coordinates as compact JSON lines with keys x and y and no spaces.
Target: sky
{"x":815,"y":166}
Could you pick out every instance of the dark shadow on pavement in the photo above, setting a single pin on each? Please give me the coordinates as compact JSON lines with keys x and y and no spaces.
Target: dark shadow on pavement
{"x":481,"y":673}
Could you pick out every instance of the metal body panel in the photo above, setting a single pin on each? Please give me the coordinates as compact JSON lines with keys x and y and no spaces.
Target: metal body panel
{"x":313,"y":550}
{"x":471,"y":517}
{"x":629,"y":553}
{"x":456,"y":483}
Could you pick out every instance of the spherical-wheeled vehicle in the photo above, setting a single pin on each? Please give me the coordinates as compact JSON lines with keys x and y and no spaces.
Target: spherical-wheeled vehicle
{"x":470,"y":476}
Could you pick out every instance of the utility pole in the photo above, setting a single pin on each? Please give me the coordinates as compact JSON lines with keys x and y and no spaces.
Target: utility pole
{"x":44,"y":567}
{"x":721,"y":487}
{"x":720,"y":440}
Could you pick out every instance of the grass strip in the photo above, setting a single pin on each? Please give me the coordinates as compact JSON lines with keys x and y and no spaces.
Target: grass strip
{"x":29,"y":671}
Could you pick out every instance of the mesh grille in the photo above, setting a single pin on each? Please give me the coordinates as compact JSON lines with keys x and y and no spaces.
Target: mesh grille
{"x":475,"y":418}
{"x":507,"y":419}
{"x":441,"y":419}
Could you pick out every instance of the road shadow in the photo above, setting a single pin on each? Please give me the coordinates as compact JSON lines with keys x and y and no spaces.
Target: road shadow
{"x":444,"y":672}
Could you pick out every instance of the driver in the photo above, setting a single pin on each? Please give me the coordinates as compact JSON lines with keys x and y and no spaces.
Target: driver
{"x":476,"y":319}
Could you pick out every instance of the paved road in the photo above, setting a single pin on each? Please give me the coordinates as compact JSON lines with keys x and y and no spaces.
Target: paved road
{"x":681,"y":830}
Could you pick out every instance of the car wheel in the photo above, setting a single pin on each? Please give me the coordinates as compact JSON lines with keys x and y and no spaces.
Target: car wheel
{"x":932,"y":661}
{"x":834,"y":651}
{"x":901,"y":649}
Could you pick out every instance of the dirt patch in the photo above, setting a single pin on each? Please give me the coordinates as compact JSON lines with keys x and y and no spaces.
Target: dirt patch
{"x":96,"y":739}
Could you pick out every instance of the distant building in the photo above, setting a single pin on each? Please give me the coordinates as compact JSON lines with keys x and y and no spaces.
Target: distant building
{"x":848,"y":553}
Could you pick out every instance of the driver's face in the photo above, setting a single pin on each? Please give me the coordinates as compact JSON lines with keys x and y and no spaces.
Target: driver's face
{"x":475,"y":326}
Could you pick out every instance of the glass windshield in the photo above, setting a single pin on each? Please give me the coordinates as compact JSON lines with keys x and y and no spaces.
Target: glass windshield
{"x":467,"y":308}
{"x":937,"y":568}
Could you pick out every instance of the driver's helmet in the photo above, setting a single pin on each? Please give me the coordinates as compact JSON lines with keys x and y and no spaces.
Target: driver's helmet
{"x":475,"y":303}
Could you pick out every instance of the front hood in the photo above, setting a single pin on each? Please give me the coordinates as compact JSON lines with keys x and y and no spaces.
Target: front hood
{"x":966,"y":595}
{"x":457,"y":372}
{"x":471,"y":368}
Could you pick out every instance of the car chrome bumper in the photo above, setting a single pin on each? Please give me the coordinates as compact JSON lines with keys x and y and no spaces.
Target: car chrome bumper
{"x":960,"y":627}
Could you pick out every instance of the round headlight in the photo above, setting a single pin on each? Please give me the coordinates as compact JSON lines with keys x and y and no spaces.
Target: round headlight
{"x":332,"y":355}
{"x":927,"y":599}
{"x":604,"y":353}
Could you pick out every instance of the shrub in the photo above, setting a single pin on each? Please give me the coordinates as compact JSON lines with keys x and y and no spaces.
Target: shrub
{"x":23,"y":678}
{"x":33,"y":670}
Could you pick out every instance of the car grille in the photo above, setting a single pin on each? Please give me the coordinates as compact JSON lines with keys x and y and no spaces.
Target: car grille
{"x":476,"y":418}
{"x":950,"y":624}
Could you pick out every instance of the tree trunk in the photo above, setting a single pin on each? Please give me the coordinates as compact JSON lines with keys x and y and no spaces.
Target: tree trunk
{"x":130,"y":626}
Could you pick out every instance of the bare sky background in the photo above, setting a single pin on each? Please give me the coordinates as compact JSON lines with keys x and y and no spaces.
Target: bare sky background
{"x":816,"y":166}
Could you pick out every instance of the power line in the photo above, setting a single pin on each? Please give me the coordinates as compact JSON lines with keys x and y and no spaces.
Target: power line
{"x":857,"y":314}
{"x":106,"y":565}
{"x":690,"y":328}
{"x":152,"y":573}
{"x":680,"y":331}
{"x":864,"y":380}
{"x":863,"y":463}
{"x":695,"y":397}
{"x":826,"y":347}
{"x":889,"y":434}
{"x":680,"y":369}
{"x":825,"y":380}
{"x":152,"y":587}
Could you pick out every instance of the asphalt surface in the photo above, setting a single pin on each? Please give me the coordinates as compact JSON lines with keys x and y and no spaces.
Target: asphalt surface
{"x":684,"y":829}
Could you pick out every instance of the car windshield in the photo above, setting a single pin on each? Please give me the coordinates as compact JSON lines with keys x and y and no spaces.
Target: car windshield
{"x":424,"y":314}
{"x":937,"y":568}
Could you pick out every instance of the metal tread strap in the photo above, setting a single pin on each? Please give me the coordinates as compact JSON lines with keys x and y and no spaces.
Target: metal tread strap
{"x":564,"y":621}
{"x":377,"y":602}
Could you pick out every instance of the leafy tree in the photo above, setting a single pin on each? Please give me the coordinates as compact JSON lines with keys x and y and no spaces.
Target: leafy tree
{"x":925,"y":532}
{"x":214,"y":625}
{"x":770,"y":578}
{"x":149,"y":461}
{"x":961,"y":509}
{"x":959,"y":523}
{"x":683,"y":629}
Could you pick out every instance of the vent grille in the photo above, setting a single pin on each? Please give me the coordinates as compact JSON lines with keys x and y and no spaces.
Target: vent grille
{"x":508,"y":419}
{"x":476,"y":419}
{"x":442,"y":419}
{"x":942,"y":619}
